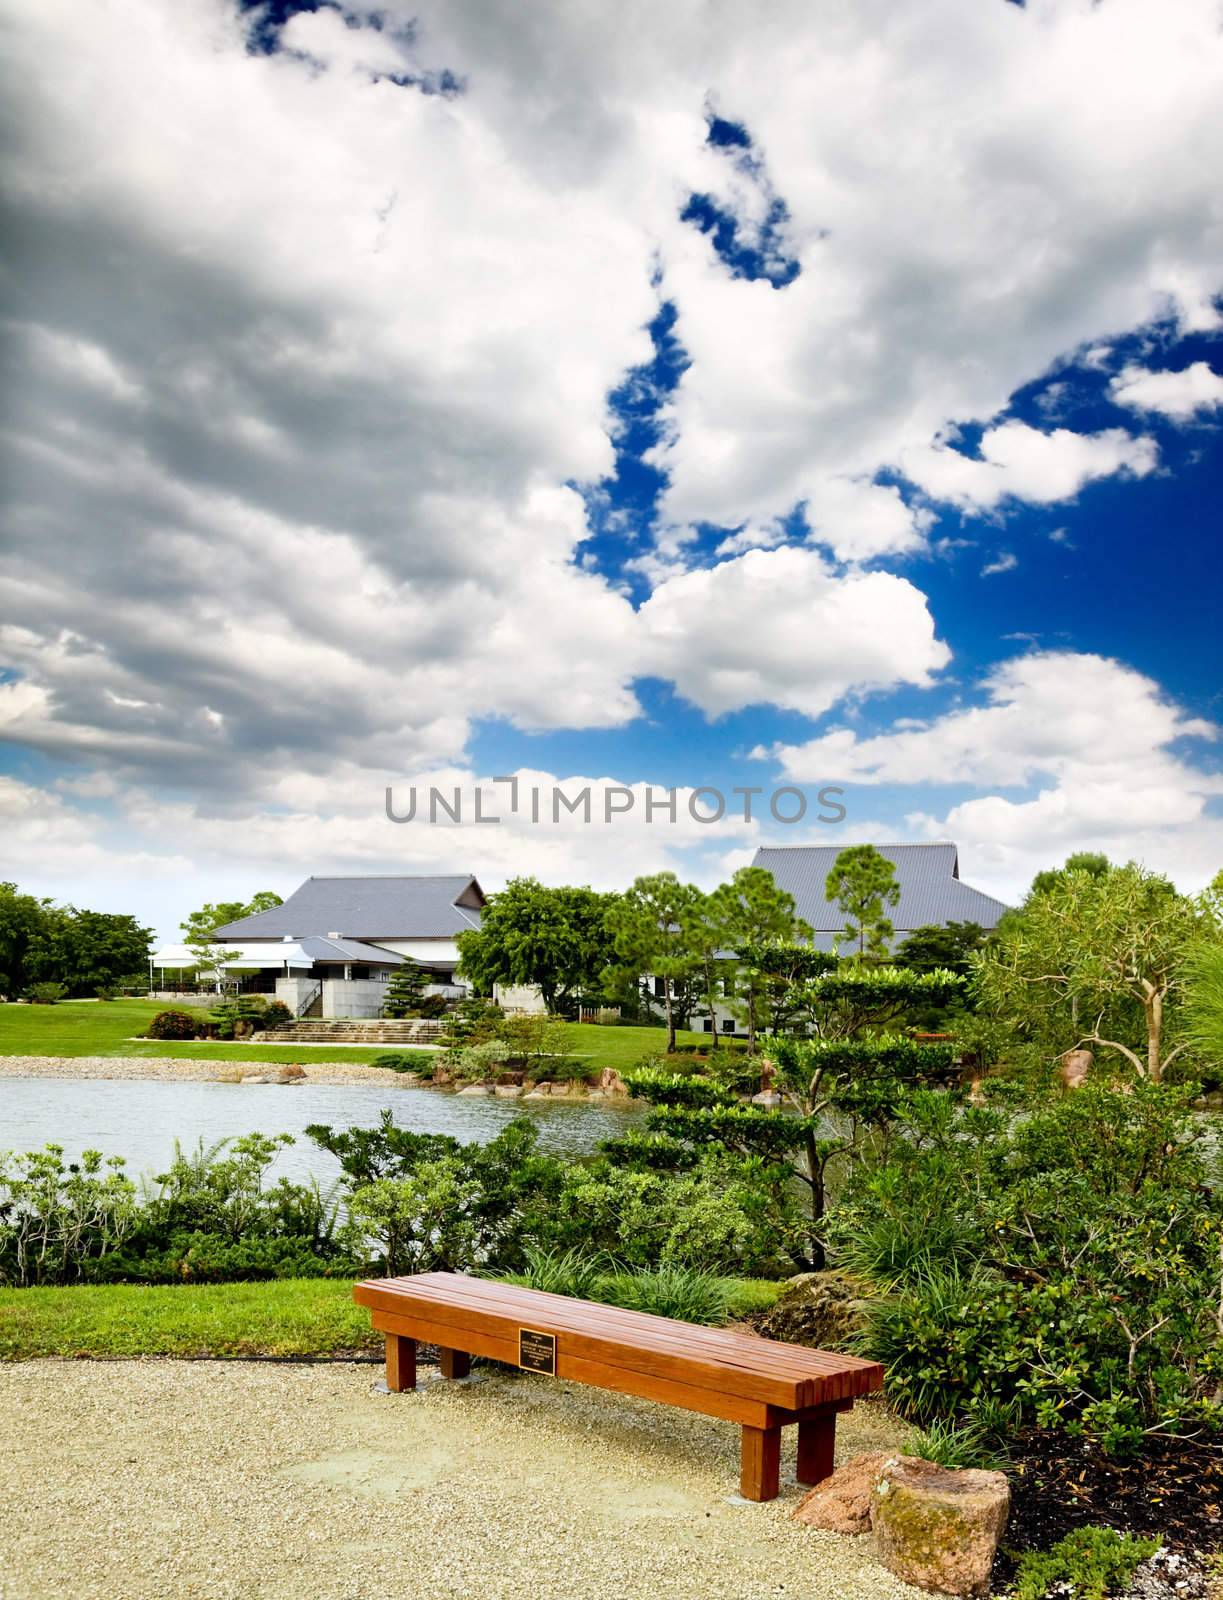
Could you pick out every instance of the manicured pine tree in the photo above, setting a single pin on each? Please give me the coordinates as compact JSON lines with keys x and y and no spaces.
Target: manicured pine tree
{"x":405,"y":991}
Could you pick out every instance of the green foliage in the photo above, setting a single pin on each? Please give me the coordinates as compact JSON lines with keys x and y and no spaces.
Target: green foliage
{"x":957,"y":1447}
{"x":1088,"y":861}
{"x":943,"y":947}
{"x":1088,"y":1564}
{"x":863,"y":882}
{"x":557,"y":939}
{"x":58,"y":1218}
{"x":415,"y":1061}
{"x":47,"y":994}
{"x":174,"y":1025}
{"x":670,"y":1290}
{"x":1061,"y":1268}
{"x":574,"y":1272}
{"x":405,"y":991}
{"x":1203,"y":1005}
{"x":43,"y":943}
{"x":201,"y":925}
{"x":652,"y":929}
{"x":1097,"y":959}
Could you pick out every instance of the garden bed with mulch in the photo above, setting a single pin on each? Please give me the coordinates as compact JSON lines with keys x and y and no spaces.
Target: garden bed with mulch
{"x":1173,"y":1489}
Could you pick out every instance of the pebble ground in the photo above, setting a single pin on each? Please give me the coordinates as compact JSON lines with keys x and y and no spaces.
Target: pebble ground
{"x":244,"y":1481}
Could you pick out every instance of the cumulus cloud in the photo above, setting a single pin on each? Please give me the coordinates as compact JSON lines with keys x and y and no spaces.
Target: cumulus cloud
{"x":1021,"y":463}
{"x":1098,"y":746}
{"x":781,"y":627}
{"x":1179,"y":395}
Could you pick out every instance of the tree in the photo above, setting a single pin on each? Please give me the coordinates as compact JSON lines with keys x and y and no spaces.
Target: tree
{"x":1108,"y":948}
{"x":200,"y":928}
{"x":1089,"y":861}
{"x":775,"y":979}
{"x":709,"y":928}
{"x":23,"y":923}
{"x":556,"y":939}
{"x":862,"y":882}
{"x":835,"y":1086}
{"x":762,"y":915}
{"x":947,"y":946}
{"x":202,"y":924}
{"x":651,"y":926}
{"x":405,"y":991}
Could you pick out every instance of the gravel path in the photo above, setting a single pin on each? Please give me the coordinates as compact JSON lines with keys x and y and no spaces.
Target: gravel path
{"x":125,"y":1481}
{"x":174,"y":1069}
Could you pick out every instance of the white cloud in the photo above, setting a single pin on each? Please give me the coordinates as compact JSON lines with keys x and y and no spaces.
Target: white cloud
{"x":1022,"y":463}
{"x":1006,"y":562}
{"x":1176,"y":394}
{"x":780,"y":627}
{"x":1097,"y":742}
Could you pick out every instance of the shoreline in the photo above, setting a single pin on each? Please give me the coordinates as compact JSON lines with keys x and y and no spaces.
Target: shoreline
{"x":191,"y":1069}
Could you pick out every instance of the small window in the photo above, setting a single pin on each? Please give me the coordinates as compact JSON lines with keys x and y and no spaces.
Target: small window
{"x":708,"y":1024}
{"x":660,"y":988}
{"x":729,"y":1025}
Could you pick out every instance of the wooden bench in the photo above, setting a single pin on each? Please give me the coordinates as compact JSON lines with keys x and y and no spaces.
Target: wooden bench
{"x":759,"y":1383}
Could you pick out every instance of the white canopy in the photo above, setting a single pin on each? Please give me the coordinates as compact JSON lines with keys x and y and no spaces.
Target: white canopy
{"x":248,"y":955}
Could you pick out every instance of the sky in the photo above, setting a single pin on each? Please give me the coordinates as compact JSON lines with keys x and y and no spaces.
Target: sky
{"x":636,"y":397}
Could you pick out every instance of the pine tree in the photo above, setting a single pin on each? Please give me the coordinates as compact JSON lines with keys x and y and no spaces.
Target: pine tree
{"x":405,"y":991}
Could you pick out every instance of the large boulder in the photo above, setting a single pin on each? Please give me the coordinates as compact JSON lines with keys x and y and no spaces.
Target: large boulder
{"x":819,"y":1309}
{"x":293,"y":1072}
{"x":842,"y":1503}
{"x":937,"y":1528}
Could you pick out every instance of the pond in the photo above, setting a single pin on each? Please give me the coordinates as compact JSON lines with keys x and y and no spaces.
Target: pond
{"x":141,"y":1120}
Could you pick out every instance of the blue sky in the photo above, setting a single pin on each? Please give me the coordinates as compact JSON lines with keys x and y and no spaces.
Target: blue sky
{"x":434,"y":394}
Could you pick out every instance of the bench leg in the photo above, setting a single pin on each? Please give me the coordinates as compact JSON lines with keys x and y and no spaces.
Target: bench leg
{"x":455,"y":1363}
{"x":760,"y":1463}
{"x":400,"y":1363}
{"x":817,"y":1437}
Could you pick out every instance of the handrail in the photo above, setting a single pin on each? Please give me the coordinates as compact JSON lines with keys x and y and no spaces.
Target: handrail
{"x":305,"y":1004}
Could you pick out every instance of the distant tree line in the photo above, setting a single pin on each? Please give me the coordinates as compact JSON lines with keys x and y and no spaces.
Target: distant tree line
{"x":42,"y":943}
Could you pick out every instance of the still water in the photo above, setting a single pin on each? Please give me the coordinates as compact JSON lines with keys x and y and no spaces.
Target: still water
{"x":141,"y":1120}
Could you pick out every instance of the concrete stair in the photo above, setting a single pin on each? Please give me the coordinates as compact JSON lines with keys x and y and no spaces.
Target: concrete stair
{"x":405,"y":1031}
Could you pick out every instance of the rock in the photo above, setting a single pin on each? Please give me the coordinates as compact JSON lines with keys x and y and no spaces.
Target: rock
{"x":544,"y":1086}
{"x":535,"y":1094}
{"x":937,"y":1528}
{"x":508,"y":1091}
{"x":256,"y":1077}
{"x":818,"y":1309}
{"x":768,"y":1098}
{"x":611,"y":1082}
{"x":477,"y":1088}
{"x":1074,"y":1067}
{"x":292,"y":1073}
{"x":842,"y":1503}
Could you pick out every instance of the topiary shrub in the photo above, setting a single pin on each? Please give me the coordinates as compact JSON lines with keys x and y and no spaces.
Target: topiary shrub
{"x":276,"y":1014}
{"x":173,"y":1025}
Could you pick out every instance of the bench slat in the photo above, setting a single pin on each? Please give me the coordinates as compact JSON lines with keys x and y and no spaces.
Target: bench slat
{"x":576,"y":1369}
{"x":757,"y":1369}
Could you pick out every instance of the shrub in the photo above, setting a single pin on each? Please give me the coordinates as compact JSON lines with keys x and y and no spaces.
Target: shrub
{"x":956,"y":1447}
{"x":276,"y":1014}
{"x":173,"y":1025}
{"x":573,"y":1272}
{"x":479,"y":1062}
{"x":398,"y":1061}
{"x":46,"y":994}
{"x":1059,"y":1269}
{"x":104,"y":993}
{"x":58,"y":1217}
{"x":670,"y":1290}
{"x":1088,"y":1564}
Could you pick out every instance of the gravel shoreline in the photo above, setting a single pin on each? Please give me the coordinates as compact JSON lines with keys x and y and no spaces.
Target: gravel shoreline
{"x":156,"y":1480}
{"x":176,"y":1069}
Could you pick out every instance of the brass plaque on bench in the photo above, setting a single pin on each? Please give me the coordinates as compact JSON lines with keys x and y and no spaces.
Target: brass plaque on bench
{"x":537,"y":1351}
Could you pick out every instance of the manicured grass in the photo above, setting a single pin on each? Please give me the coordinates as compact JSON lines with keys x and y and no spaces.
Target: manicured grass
{"x":291,"y":1317}
{"x":106,"y":1028}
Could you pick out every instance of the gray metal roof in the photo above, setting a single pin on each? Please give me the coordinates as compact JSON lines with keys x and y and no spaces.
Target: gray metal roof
{"x":346,"y":950}
{"x":928,"y":874}
{"x":368,"y":908}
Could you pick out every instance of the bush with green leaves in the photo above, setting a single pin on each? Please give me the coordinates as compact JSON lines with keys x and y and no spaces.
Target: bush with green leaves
{"x":687,"y":1294}
{"x":1088,"y":1564}
{"x":46,"y":994}
{"x":1058,"y":1268}
{"x":174,"y":1025}
{"x":59,"y":1218}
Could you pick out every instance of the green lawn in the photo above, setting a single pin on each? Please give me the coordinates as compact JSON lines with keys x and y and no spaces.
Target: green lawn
{"x":294,"y":1317}
{"x":106,"y":1028}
